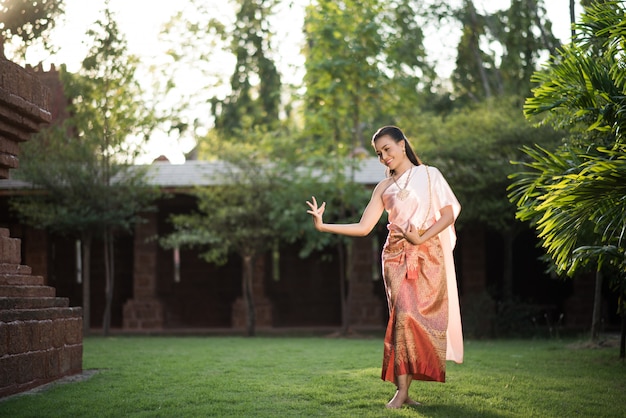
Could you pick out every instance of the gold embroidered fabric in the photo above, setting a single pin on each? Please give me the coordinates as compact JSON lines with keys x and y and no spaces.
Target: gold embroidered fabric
{"x":415,"y":341}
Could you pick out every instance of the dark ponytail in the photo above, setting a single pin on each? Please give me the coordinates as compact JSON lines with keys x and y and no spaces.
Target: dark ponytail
{"x":397,"y":135}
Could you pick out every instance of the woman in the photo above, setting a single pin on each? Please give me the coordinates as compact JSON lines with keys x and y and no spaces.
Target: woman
{"x":424,"y":328}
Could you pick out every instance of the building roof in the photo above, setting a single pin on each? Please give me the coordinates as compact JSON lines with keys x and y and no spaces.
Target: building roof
{"x":204,"y":173}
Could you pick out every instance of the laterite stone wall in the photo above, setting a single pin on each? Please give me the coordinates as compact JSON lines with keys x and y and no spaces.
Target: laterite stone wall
{"x":40,"y":335}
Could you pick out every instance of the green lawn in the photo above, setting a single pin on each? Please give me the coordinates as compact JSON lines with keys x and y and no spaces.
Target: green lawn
{"x":316,"y":376}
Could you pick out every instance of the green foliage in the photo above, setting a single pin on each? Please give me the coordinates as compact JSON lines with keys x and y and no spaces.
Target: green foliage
{"x":106,"y":96}
{"x":584,"y":85}
{"x":257,"y":202}
{"x":473,"y":147}
{"x":83,"y":166}
{"x":526,"y":35}
{"x":232,"y":217}
{"x":345,"y":202}
{"x":575,"y":199}
{"x":26,"y":21}
{"x":248,"y":105}
{"x":260,"y":199}
{"x":255,"y":84}
{"x":361,"y":57}
{"x":238,"y":213}
{"x":70,"y":195}
{"x":576,"y":194}
{"x":194,"y":39}
{"x":499,"y":52}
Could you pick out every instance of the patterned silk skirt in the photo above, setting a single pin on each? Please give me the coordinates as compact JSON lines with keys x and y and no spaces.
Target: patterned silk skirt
{"x":415,"y":283}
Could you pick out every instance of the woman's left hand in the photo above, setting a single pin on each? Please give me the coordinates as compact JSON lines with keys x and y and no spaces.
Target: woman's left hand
{"x":412,"y":235}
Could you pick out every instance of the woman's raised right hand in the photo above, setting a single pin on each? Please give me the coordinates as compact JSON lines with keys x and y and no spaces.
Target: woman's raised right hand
{"x":316,"y":211}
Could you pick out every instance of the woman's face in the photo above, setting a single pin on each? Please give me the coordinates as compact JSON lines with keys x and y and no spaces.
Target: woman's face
{"x":390,"y":152}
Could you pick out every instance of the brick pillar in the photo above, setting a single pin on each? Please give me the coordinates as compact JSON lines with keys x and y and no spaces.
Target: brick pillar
{"x":145,"y":310}
{"x":367,"y":309}
{"x":262,"y":305}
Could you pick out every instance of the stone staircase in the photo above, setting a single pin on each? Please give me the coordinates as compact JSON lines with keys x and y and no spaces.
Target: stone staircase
{"x":40,"y":335}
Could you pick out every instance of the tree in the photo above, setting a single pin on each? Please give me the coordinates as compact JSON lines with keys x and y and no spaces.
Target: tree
{"x":85,"y":164}
{"x":255,"y":84}
{"x":361,"y":56}
{"x":346,"y":201}
{"x":249,"y":112}
{"x":25,"y":21}
{"x":575,"y":195}
{"x":257,"y":204}
{"x":521,"y":32}
{"x":234,"y":216}
{"x":240,"y":37}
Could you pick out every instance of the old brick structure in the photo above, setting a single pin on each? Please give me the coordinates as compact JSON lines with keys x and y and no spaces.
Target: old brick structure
{"x":40,"y":335}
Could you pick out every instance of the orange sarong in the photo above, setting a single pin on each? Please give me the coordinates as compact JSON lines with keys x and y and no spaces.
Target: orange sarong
{"x":417,"y":296}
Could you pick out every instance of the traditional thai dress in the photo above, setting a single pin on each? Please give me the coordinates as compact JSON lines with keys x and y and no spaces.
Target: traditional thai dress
{"x":424,"y":328}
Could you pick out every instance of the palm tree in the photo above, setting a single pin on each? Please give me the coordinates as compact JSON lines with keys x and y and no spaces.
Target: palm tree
{"x":576,"y":195}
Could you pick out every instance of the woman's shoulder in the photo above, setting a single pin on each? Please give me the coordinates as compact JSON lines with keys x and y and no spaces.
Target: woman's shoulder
{"x":383,"y":184}
{"x":431,"y":169}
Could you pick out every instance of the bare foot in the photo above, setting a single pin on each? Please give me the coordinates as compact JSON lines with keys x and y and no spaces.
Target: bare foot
{"x":397,"y":401}
{"x":411,"y":402}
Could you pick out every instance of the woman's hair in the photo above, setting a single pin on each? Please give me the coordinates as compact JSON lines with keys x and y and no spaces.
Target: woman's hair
{"x":397,"y":135}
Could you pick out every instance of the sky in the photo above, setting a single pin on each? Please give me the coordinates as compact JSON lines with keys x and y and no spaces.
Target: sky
{"x":142,"y":20}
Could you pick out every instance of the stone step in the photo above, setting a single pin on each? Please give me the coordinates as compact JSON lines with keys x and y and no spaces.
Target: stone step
{"x":33,"y":303}
{"x":27,"y":291}
{"x":47,"y":314}
{"x":21,"y":280}
{"x":7,"y":268}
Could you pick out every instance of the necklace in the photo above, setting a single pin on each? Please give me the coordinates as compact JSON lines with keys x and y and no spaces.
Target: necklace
{"x":403,"y":193}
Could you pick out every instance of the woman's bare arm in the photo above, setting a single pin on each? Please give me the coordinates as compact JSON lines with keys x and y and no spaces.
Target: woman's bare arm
{"x":369,"y":219}
{"x":412,"y":235}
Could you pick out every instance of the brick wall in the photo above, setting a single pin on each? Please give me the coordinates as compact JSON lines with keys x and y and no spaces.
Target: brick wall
{"x":40,"y":335}
{"x":24,"y":104}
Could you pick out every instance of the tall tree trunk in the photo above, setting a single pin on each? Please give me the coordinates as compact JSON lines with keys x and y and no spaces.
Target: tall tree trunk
{"x":86,"y":243}
{"x":476,"y":49}
{"x":109,"y":272}
{"x":533,"y":10}
{"x":572,"y":16}
{"x":248,"y":295}
{"x":597,"y":307}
